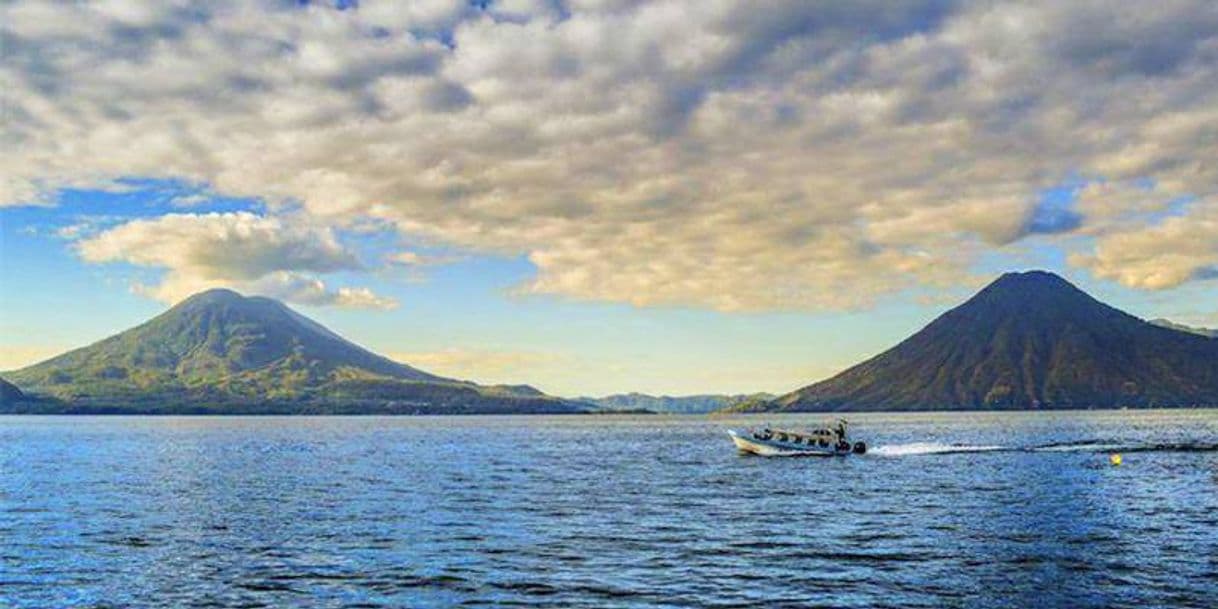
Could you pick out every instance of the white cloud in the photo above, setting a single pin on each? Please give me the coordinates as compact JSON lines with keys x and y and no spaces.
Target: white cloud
{"x":306,"y":290}
{"x":264,"y":255}
{"x":416,"y":259}
{"x":800,"y":155}
{"x":238,"y":245}
{"x":1165,"y":255}
{"x":189,"y":200}
{"x":1109,"y":206}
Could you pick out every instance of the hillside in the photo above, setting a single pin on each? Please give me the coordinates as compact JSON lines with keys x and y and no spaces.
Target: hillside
{"x":221,"y":352}
{"x":9,"y":393}
{"x":687,"y":404}
{"x":1026,"y":341}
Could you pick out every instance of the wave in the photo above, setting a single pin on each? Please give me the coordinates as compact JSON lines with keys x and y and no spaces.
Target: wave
{"x":1095,"y":446}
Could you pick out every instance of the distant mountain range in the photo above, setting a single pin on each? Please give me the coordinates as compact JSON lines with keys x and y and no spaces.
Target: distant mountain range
{"x":221,"y":352}
{"x":688,"y":404}
{"x":1027,"y":341}
{"x":1164,"y":323}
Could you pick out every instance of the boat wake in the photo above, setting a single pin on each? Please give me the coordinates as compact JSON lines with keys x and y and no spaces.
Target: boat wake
{"x":1097,"y":446}
{"x":1159,"y":447}
{"x":931,"y":448}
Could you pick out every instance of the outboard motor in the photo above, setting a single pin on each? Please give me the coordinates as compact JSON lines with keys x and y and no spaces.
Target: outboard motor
{"x":860,"y":448}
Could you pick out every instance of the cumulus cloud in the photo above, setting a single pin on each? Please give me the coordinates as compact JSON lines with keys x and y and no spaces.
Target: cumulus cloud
{"x":1119,"y":206}
{"x":259,"y":254}
{"x":307,"y":290}
{"x":239,"y":245}
{"x":1168,"y":254}
{"x":799,"y":155}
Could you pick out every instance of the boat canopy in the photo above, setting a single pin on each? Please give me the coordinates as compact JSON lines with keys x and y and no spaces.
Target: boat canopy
{"x":822,"y":435}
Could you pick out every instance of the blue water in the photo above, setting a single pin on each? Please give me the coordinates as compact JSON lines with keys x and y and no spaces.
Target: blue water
{"x":960,"y":510}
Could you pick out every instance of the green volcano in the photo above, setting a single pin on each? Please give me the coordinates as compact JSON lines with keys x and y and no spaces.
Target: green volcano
{"x":221,"y":352}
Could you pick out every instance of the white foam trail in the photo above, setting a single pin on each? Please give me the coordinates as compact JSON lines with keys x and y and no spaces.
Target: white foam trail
{"x":929,"y":448}
{"x":1072,"y":448}
{"x":935,"y":448}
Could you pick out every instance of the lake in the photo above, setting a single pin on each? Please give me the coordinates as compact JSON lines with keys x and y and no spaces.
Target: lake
{"x":946,"y":510}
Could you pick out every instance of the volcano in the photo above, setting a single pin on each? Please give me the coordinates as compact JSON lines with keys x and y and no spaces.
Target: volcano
{"x":1027,"y":341}
{"x":219,"y":352}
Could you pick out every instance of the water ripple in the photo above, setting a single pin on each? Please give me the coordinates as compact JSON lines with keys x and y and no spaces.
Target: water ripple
{"x":967,"y":509}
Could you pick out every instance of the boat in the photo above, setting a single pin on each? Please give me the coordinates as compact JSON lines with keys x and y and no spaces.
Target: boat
{"x":827,"y":441}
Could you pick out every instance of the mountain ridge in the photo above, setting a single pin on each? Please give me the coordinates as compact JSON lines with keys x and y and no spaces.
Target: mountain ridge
{"x":219,"y":351}
{"x":1167,"y":323}
{"x":1026,"y":341}
{"x":666,"y":404}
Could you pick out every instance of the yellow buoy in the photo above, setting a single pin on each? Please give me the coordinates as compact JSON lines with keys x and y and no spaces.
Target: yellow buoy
{"x":1115,"y":458}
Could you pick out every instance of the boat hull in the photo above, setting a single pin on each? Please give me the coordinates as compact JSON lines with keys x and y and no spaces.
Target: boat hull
{"x":746,"y":443}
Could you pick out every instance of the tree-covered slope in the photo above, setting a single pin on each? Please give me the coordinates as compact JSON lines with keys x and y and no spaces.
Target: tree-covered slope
{"x":219,"y":351}
{"x":1028,"y":340}
{"x":9,"y":393}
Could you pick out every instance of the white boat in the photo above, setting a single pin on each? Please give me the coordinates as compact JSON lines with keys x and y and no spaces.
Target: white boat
{"x":828,"y":441}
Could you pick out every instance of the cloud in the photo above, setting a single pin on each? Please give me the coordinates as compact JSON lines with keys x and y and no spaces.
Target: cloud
{"x":83,"y":226}
{"x":804,"y":155}
{"x":239,"y":245}
{"x":305,"y":290}
{"x":258,"y":254}
{"x":281,"y":285}
{"x":1165,"y":255}
{"x":189,"y":200}
{"x":1112,"y":206}
{"x":416,"y":259}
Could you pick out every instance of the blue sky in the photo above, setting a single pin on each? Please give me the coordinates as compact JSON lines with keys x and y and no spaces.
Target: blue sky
{"x":601,"y":196}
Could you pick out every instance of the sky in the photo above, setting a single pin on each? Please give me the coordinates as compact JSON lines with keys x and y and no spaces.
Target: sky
{"x":601,"y":196}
